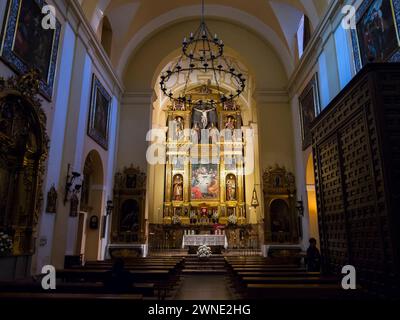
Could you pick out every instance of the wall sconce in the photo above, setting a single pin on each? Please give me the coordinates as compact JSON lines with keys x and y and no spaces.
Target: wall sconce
{"x":69,"y":185}
{"x":300,"y":207}
{"x":109,"y":207}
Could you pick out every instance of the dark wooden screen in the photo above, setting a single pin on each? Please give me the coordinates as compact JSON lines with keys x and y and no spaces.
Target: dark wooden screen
{"x":356,"y":147}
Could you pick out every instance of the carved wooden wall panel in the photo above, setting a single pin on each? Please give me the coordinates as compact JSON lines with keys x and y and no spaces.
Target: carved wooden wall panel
{"x":356,"y":143}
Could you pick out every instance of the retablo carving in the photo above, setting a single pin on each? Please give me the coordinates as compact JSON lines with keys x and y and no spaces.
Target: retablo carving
{"x":277,"y":180}
{"x":23,"y":149}
{"x":131,"y":178}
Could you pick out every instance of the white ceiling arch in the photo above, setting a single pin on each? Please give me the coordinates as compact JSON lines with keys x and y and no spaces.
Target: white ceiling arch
{"x":212,"y":11}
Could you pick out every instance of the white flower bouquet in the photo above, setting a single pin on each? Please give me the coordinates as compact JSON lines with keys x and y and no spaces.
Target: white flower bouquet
{"x":6,"y":244}
{"x":204,"y":251}
{"x":232,"y":219}
{"x":176,"y":219}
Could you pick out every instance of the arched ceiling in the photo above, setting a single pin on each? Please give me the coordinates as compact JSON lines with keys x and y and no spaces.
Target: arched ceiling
{"x":134,"y":21}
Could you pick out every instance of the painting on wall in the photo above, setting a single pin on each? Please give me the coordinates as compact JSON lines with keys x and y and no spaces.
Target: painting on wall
{"x":205,"y":182}
{"x":27,"y":45}
{"x":99,"y":116}
{"x":377,"y":32}
{"x":308,"y":110}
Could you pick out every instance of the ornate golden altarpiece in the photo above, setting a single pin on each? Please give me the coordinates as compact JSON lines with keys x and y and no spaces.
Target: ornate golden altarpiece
{"x":188,"y":195}
{"x":23,"y":151}
{"x":128,"y":223}
{"x":281,"y":217}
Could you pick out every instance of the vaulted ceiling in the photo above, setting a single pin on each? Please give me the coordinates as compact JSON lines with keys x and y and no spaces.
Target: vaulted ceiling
{"x":134,"y":21}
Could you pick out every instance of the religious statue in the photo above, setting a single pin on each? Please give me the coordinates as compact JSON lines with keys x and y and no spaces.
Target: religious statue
{"x":178,"y":126}
{"x":231,"y":188}
{"x":178,"y":188}
{"x":195,"y":134}
{"x":230,"y":106}
{"x":214,"y":134}
{"x":51,"y":206}
{"x":74,"y":204}
{"x":204,"y":116}
{"x":179,"y":106}
{"x":230,"y":123}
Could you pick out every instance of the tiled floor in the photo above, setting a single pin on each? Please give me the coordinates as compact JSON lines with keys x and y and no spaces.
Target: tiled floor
{"x":203,"y":287}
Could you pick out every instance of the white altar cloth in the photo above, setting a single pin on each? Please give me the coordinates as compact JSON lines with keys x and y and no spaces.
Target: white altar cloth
{"x":207,"y":239}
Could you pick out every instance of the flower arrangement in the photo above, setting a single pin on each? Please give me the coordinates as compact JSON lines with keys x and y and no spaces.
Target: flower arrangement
{"x":204,"y":251}
{"x":215,"y":216}
{"x":192,"y":215}
{"x":6,"y":244}
{"x":176,"y":219}
{"x":232,"y":219}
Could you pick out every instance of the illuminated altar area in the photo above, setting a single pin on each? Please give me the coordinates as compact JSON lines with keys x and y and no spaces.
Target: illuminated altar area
{"x":204,"y":185}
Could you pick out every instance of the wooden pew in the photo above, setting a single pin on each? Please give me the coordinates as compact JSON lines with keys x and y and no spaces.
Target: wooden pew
{"x":70,"y":297}
{"x":144,"y":289}
{"x":298,"y":292}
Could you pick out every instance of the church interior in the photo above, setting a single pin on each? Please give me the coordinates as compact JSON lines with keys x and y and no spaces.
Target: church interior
{"x":199,"y":150}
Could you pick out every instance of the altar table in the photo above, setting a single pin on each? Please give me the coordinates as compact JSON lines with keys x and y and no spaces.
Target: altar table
{"x":207,"y":239}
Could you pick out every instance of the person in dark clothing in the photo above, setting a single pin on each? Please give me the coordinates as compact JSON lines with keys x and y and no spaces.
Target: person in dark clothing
{"x":118,"y":280}
{"x":313,"y":258}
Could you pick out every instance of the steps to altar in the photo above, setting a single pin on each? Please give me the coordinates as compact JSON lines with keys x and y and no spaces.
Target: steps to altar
{"x":212,"y":265}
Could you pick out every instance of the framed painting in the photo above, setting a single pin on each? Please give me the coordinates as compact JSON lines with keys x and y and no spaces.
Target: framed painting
{"x":27,"y":45}
{"x":309,"y":108}
{"x":99,"y":115}
{"x":205,"y":182}
{"x":377,"y":32}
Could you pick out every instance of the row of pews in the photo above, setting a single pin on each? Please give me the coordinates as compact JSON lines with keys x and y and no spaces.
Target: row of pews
{"x":152,"y":278}
{"x":273,"y":278}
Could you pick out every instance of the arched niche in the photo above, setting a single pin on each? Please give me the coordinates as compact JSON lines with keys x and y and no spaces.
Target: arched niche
{"x":91,"y":206}
{"x":231,"y":187}
{"x":280,"y":220}
{"x":177,"y":187}
{"x":129,"y":220}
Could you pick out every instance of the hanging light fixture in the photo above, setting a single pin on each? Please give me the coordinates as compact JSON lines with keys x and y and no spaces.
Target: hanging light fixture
{"x":254,"y":199}
{"x":202,"y":51}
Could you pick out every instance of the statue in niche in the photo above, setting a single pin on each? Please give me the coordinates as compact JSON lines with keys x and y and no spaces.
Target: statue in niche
{"x":195,"y":134}
{"x":179,"y":133}
{"x":231,"y":188}
{"x":178,"y":188}
{"x":230,"y":106}
{"x":214,"y":134}
{"x":230,"y":123}
{"x":51,"y":206}
{"x":204,"y":116}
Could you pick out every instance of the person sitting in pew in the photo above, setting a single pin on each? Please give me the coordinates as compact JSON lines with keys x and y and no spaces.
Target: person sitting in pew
{"x":118,"y":280}
{"x":313,"y":257}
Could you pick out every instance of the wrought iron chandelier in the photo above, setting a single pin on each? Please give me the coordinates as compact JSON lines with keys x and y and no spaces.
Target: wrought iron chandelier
{"x":203,"y":52}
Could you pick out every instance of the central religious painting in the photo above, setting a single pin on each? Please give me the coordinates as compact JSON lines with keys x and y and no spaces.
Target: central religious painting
{"x":204,"y":180}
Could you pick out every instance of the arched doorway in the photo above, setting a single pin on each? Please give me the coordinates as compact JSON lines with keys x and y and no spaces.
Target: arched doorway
{"x":91,"y":207}
{"x":312,"y":200}
{"x":280,"y":221}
